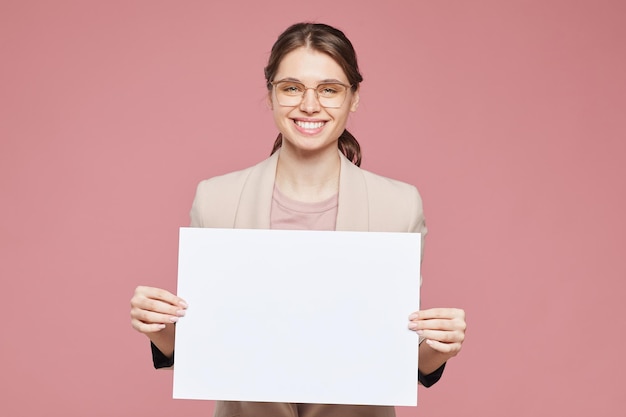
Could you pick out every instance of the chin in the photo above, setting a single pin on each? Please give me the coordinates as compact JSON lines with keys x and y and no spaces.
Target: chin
{"x":312,"y":146}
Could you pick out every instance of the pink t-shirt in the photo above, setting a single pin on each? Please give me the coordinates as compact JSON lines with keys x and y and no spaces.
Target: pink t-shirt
{"x":288,"y":214}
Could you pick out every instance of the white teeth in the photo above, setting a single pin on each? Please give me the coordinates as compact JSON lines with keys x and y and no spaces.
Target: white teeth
{"x":309,"y":125}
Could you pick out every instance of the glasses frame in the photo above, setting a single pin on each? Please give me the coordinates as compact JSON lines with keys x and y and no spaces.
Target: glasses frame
{"x":317,"y":96}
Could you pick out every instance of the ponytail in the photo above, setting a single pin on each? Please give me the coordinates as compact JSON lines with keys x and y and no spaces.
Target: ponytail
{"x":348,"y":145}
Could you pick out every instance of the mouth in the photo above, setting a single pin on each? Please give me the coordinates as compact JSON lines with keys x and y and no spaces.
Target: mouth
{"x":309,"y":125}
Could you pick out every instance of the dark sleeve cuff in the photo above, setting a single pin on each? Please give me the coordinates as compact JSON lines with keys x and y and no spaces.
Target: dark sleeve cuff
{"x":427,"y":380}
{"x":159,"y":359}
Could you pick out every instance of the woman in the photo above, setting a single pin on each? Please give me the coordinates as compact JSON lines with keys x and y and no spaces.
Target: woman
{"x":313,"y":85}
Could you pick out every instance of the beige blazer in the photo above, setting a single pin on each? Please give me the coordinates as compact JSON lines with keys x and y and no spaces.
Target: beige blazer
{"x":367,"y":202}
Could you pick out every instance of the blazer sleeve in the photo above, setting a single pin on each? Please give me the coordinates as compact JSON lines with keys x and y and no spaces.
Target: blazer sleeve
{"x":428,"y":380}
{"x":417,"y":222}
{"x":216,"y":200}
{"x":159,"y":360}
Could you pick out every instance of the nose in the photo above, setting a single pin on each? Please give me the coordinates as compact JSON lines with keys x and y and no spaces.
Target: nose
{"x":310,"y":103}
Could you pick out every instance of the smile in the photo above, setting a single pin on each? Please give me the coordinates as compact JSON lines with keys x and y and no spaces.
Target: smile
{"x":309,"y":125}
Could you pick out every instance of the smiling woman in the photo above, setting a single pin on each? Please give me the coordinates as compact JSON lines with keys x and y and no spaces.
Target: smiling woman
{"x":307,"y":183}
{"x":330,"y":43}
{"x":309,"y":129}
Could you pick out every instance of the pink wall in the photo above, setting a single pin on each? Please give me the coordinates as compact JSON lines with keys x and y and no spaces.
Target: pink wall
{"x":508,"y":115}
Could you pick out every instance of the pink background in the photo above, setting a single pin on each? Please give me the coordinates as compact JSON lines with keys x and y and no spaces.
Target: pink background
{"x":508,"y":115}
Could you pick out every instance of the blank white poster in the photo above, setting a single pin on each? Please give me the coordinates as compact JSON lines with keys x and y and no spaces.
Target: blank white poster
{"x":297,"y":316}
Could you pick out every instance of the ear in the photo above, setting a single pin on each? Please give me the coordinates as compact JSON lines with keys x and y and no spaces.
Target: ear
{"x":354,"y":104}
{"x":270,"y":104}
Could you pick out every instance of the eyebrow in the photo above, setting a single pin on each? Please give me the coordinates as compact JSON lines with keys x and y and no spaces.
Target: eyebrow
{"x":325,"y":81}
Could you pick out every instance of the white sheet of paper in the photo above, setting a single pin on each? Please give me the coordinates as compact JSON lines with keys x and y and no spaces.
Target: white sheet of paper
{"x":297,"y":316}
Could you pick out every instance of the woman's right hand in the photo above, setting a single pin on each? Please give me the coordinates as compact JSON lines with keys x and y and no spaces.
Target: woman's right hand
{"x":151,"y":309}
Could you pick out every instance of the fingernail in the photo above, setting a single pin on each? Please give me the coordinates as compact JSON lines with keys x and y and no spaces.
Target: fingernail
{"x":412,"y":326}
{"x":420,"y":332}
{"x":173,"y":319}
{"x":181,"y":313}
{"x":183,"y":304}
{"x":413,"y":316}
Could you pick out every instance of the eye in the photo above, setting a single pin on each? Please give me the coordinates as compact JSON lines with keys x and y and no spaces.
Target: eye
{"x":329,"y":90}
{"x":290,"y":88}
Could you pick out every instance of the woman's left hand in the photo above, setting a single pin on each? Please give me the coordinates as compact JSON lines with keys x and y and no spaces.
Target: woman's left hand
{"x":443,"y":328}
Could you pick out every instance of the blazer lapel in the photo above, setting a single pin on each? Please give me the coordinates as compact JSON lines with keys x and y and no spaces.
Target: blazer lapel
{"x":353,"y":210}
{"x":253,"y":211}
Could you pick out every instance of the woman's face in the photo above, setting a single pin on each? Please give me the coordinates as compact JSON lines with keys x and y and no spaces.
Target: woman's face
{"x":309,"y":127}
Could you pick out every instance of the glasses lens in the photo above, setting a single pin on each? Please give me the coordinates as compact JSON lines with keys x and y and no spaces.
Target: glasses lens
{"x":331,"y":95}
{"x":290,"y":93}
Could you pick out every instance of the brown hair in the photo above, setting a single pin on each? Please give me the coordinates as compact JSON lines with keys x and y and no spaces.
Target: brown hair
{"x":331,"y":41}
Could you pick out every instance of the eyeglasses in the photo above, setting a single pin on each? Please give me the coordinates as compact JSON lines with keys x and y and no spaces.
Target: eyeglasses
{"x":291,"y":93}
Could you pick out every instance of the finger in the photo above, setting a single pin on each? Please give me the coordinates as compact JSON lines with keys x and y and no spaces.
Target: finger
{"x":450,"y":348}
{"x":438,"y":324}
{"x":443,"y":336}
{"x":157,"y":306}
{"x":161,"y":295}
{"x":152,"y":317}
{"x":438,"y":313}
{"x":147,"y":327}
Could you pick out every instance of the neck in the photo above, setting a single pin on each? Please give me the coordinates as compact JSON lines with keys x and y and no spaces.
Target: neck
{"x":308,"y":178}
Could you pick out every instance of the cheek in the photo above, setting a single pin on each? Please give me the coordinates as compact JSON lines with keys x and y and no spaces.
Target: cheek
{"x":343,"y":116}
{"x":280,"y":115}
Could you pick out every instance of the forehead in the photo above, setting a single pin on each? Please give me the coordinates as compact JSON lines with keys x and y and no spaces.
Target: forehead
{"x":309,"y":65}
